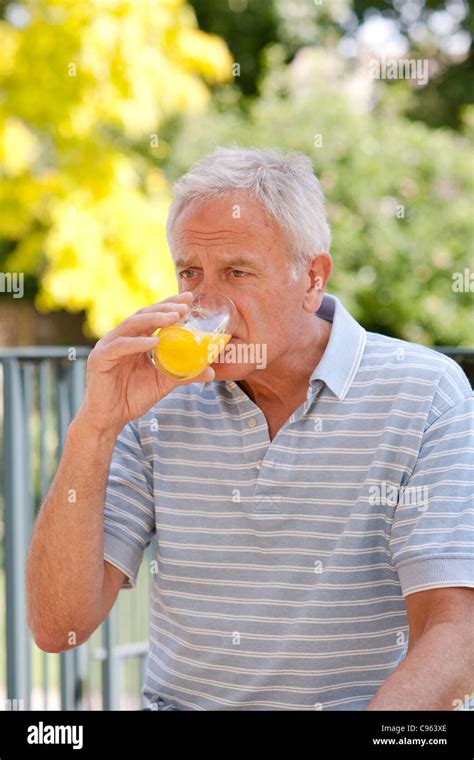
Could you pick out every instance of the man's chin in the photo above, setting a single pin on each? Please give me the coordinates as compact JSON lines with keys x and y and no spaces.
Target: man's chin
{"x":230,"y":371}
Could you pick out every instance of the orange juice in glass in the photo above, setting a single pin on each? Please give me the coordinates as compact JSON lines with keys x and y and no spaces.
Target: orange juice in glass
{"x":186,"y":348}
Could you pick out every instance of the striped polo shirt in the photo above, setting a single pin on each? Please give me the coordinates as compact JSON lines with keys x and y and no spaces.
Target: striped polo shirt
{"x":281,"y":567}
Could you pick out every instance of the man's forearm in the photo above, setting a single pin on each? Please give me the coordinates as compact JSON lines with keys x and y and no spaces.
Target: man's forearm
{"x":65,"y":570}
{"x":437,"y":671}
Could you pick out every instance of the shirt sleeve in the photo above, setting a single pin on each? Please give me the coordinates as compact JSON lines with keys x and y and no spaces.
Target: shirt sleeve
{"x":432,"y":537}
{"x":129,"y":513}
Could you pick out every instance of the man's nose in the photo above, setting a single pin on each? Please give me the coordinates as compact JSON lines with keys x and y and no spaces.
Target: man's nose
{"x":207,"y":287}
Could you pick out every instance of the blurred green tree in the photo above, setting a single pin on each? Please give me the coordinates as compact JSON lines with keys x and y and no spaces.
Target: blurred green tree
{"x":399,"y":193}
{"x":438,"y":30}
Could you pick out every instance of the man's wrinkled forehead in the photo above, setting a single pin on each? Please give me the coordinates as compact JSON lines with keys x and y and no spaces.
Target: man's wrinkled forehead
{"x":208,"y":229}
{"x":228,"y":218}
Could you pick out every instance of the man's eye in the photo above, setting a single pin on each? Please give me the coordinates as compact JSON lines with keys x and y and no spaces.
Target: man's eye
{"x":239,"y":273}
{"x":184,"y":272}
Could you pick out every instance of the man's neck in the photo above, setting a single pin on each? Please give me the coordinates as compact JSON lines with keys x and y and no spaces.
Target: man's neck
{"x":279,"y":386}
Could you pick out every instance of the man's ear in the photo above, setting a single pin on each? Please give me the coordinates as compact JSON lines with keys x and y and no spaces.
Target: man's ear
{"x":318,"y":273}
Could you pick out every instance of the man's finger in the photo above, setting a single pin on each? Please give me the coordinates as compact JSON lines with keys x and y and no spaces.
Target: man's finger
{"x":145,"y":324}
{"x":126,"y":346}
{"x":185,"y":297}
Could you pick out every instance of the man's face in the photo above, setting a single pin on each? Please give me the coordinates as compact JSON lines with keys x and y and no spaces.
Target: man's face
{"x":230,"y":245}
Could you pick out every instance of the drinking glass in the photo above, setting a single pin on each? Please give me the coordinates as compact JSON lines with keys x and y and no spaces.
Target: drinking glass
{"x":186,"y":348}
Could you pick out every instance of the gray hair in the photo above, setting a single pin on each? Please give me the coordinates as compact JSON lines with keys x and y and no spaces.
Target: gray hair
{"x":285,"y":185}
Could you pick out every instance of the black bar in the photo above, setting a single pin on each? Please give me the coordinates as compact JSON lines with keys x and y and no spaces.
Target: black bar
{"x":313,"y":733}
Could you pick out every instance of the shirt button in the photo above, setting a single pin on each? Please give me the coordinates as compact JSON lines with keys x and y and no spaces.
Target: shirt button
{"x":228,"y":386}
{"x":252,"y":422}
{"x":259,"y":464}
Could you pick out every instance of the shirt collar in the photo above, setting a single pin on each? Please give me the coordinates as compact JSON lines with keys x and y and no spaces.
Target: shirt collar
{"x":343,"y":354}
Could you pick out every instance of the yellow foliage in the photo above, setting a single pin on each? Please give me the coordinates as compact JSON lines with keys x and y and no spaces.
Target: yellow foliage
{"x":84,"y":90}
{"x":18,"y":147}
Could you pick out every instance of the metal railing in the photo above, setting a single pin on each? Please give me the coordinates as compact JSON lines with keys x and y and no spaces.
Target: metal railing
{"x":42,"y":390}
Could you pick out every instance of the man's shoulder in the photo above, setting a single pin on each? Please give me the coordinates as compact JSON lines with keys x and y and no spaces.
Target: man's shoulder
{"x":414,"y":365}
{"x":394,"y":353}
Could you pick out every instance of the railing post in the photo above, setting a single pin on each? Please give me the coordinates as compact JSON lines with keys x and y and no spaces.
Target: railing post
{"x":17,"y":525}
{"x":43,"y":380}
{"x":71,"y":671}
{"x":110,"y":667}
{"x":77,"y":378}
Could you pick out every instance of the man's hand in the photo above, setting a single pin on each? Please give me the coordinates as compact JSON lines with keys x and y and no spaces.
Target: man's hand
{"x":122,"y":380}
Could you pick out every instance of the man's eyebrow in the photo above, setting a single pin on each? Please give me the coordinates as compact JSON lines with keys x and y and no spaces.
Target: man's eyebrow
{"x":180,"y":262}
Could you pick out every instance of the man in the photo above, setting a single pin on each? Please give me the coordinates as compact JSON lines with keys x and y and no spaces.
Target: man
{"x":312,"y":515}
